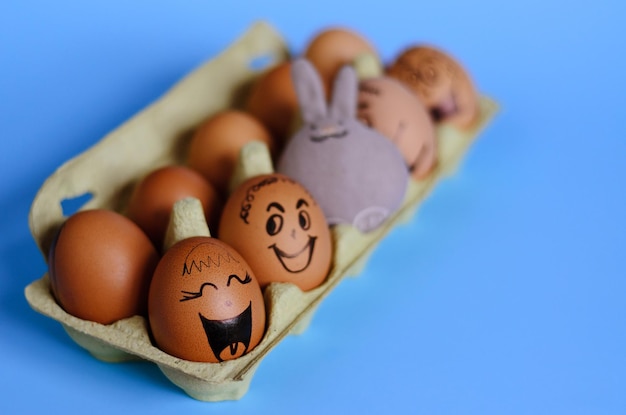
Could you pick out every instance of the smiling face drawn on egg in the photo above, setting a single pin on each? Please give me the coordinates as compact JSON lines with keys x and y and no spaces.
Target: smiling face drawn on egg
{"x":205,"y":303}
{"x":299,"y":260}
{"x":280,"y":230}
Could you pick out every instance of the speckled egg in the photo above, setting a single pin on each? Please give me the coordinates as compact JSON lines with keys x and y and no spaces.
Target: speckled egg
{"x":440,"y":82}
{"x":280,"y":230}
{"x":205,"y":304}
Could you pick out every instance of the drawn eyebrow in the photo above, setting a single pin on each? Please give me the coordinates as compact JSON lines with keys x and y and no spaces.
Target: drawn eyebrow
{"x":244,"y":281}
{"x":300,"y":203}
{"x":275,"y":205}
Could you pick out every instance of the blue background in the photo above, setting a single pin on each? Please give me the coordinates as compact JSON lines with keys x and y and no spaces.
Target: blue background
{"x":505,"y":294}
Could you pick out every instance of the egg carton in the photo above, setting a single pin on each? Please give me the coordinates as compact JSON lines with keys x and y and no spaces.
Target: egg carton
{"x":157,"y":136}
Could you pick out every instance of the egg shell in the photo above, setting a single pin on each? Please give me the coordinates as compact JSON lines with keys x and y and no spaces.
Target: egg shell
{"x":215,"y":145}
{"x":205,"y":304}
{"x":273,"y":101}
{"x":100,"y":266}
{"x":152,"y":199}
{"x":440,"y":82}
{"x":280,"y":230}
{"x":389,"y":107}
{"x":332,"y":48}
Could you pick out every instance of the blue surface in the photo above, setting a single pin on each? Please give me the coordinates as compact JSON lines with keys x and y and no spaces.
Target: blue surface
{"x":505,"y":295}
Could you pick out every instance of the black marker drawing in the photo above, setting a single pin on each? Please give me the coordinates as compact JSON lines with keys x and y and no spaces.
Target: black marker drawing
{"x":229,"y":334}
{"x":287,"y":260}
{"x":246,"y":204}
{"x":199,"y":260}
{"x":192,"y":295}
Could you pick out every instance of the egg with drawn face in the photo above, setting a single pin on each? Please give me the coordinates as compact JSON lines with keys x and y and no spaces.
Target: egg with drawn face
{"x":440,"y":82}
{"x":205,"y":304}
{"x":280,"y":230}
{"x":389,"y":107}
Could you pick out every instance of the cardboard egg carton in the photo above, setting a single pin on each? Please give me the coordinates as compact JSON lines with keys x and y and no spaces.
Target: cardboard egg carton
{"x":158,"y":136}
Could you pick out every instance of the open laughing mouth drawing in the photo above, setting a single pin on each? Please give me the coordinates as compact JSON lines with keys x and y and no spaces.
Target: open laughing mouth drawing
{"x":298,"y":261}
{"x":231,"y":337}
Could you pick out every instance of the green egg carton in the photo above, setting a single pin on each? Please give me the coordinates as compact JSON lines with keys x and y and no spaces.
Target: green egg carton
{"x":158,"y":136}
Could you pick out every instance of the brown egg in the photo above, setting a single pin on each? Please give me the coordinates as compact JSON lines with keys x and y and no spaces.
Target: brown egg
{"x":273,"y":101}
{"x":389,"y":107}
{"x":205,"y":304}
{"x":215,"y":146}
{"x":333,"y":48}
{"x":100,"y":265}
{"x":440,"y":82}
{"x":275,"y":224}
{"x":153,"y":197}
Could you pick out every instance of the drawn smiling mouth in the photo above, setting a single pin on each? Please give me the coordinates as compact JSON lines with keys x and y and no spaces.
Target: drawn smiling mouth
{"x":230,"y":337}
{"x":320,"y":138}
{"x":298,"y":261}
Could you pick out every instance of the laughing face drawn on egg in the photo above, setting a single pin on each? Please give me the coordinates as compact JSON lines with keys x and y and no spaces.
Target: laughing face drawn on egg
{"x":279,"y":229}
{"x":205,"y":304}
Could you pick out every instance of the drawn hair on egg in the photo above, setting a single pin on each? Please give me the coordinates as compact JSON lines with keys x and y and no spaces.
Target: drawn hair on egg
{"x":199,"y":258}
{"x":246,"y":205}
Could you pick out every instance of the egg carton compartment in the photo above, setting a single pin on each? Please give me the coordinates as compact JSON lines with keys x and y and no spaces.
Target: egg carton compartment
{"x":104,"y":175}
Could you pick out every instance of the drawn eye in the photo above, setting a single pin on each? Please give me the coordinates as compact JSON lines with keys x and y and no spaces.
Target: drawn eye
{"x":190,"y":295}
{"x":246,"y":280}
{"x":304,"y":219}
{"x":274,"y":224}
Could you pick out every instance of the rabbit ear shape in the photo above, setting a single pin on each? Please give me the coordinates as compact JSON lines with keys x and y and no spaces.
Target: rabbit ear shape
{"x":309,"y":89}
{"x":345,"y":90}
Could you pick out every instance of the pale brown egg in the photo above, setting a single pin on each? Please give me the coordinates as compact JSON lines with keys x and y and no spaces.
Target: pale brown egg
{"x":273,"y":101}
{"x":100,"y":266}
{"x":440,"y":82}
{"x":205,"y":304}
{"x":277,"y":226}
{"x":215,"y":145}
{"x":154,"y":196}
{"x":333,"y":48}
{"x":389,"y":107}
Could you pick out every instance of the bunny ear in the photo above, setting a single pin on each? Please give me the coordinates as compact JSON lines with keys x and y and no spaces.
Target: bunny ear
{"x":309,"y":89}
{"x":345,"y":93}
